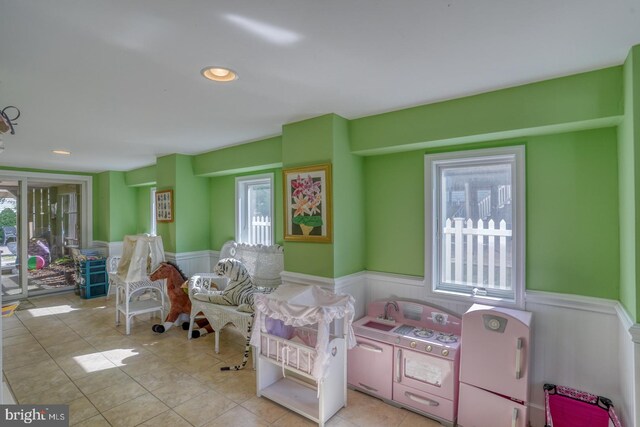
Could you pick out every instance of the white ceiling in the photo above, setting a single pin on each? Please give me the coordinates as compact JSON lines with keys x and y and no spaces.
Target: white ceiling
{"x":118,"y":82}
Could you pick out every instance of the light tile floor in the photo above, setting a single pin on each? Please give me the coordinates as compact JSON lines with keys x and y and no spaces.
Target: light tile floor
{"x":68,"y":350}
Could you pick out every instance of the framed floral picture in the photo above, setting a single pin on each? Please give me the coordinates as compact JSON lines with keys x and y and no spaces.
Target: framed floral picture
{"x":307,"y":203}
{"x":164,"y":206}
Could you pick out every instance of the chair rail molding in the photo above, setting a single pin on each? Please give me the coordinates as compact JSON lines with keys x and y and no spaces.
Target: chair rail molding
{"x":307,"y":279}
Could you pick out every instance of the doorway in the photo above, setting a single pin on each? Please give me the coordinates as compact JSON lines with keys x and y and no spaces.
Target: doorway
{"x":50,"y":220}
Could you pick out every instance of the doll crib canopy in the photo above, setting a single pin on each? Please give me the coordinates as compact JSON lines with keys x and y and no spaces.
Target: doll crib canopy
{"x":141,"y":254}
{"x":298,"y":306}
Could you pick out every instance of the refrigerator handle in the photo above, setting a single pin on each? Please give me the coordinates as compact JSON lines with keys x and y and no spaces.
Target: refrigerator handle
{"x":398,"y":365}
{"x":518,"y":358}
{"x":514,"y":417}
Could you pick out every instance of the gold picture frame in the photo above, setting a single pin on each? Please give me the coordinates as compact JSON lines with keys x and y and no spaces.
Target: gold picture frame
{"x":307,"y":203}
{"x":164,"y":206}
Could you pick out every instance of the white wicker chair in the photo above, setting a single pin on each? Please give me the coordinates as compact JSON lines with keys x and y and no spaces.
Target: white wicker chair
{"x":264,"y":263}
{"x":135,"y":292}
{"x":112,"y":271}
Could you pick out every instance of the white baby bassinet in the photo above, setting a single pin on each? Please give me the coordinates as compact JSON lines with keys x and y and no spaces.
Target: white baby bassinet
{"x":301,"y":361}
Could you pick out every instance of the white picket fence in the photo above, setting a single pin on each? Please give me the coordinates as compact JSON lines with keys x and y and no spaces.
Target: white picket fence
{"x":260,"y":230}
{"x":464,"y":265}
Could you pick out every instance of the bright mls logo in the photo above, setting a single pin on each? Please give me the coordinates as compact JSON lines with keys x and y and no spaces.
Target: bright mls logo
{"x":35,"y":415}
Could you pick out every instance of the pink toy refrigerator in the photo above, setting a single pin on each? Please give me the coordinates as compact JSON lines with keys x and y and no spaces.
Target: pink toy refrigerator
{"x":494,"y":367}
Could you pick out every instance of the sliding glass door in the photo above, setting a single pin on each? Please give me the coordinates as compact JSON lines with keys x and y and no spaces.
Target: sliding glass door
{"x":10,"y":229}
{"x":51,"y":218}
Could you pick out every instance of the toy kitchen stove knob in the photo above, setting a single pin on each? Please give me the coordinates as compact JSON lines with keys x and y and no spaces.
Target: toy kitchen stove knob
{"x":428,"y":348}
{"x":445,"y":352}
{"x":413,"y":344}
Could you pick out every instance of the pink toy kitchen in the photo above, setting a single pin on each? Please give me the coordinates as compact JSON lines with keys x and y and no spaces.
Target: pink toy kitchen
{"x":410,"y":354}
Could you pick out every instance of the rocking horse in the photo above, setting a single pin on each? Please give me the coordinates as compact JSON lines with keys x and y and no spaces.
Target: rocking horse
{"x":180,"y":302}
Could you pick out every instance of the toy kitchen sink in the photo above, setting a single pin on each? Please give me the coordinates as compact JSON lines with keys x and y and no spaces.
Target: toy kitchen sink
{"x":407,"y":354}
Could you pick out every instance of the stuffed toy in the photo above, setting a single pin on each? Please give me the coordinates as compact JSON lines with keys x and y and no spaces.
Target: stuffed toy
{"x":238,"y":292}
{"x":180,"y":303}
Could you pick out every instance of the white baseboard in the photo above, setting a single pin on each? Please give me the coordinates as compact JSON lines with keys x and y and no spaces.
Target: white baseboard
{"x":587,"y":343}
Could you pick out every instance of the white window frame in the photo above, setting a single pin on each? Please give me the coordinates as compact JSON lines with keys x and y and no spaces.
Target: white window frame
{"x":250,"y":179}
{"x":432,"y":166}
{"x":154,"y":223}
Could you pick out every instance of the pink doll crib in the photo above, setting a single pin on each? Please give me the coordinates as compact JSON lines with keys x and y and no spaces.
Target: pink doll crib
{"x":568,"y":407}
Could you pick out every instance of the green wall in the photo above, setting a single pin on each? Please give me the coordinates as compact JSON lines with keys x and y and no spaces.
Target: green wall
{"x":122,"y":208}
{"x":101,"y":204}
{"x":394,"y":206}
{"x":580,"y":133}
{"x":250,"y":157}
{"x":572,"y":242}
{"x":166,"y":180}
{"x":189,"y":231}
{"x":629,"y":191}
{"x":349,"y":217}
{"x":572,"y":213}
{"x":304,"y":143}
{"x":580,"y":101}
{"x":222,"y":207}
{"x":191,"y":208}
{"x":141,"y":176}
{"x":143,"y":195}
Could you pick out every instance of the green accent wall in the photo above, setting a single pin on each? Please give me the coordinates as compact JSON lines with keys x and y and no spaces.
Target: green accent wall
{"x":191,"y":208}
{"x":572,"y":213}
{"x":349,"y":217}
{"x":629,"y":190}
{"x":304,"y":143}
{"x":141,"y":176}
{"x":101,"y":203}
{"x":581,"y":134}
{"x":222,"y":207}
{"x":325,"y":139}
{"x":249,"y":157}
{"x":115,"y":207}
{"x":394,"y":206}
{"x":572,"y":243}
{"x":166,"y":180}
{"x":143,"y":195}
{"x":190,"y":229}
{"x":122,"y":208}
{"x":308,"y":142}
{"x":581,"y":101}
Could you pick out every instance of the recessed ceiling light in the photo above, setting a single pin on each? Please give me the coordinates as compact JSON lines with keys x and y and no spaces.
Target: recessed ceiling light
{"x":61,"y":152}
{"x":219,"y":74}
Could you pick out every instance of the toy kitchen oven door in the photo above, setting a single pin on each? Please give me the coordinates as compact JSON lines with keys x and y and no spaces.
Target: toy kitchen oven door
{"x":494,"y":367}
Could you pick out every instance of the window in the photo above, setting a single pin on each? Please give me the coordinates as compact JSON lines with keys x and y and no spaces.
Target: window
{"x":153,"y":222}
{"x":474,"y":207}
{"x":254,"y":209}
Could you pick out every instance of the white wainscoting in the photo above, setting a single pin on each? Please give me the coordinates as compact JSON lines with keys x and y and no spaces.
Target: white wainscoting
{"x":112,"y":248}
{"x":629,"y":361}
{"x":587,"y":343}
{"x":353,"y":284}
{"x":191,"y":262}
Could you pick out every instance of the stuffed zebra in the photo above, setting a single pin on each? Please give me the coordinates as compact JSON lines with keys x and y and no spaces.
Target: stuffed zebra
{"x":247,"y":348}
{"x":238,"y":292}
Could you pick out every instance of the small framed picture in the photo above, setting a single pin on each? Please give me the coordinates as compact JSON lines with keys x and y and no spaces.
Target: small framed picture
{"x":164,"y":206}
{"x":307,"y":203}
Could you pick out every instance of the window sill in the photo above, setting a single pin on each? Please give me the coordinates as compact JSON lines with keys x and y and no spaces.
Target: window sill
{"x":464,"y":298}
